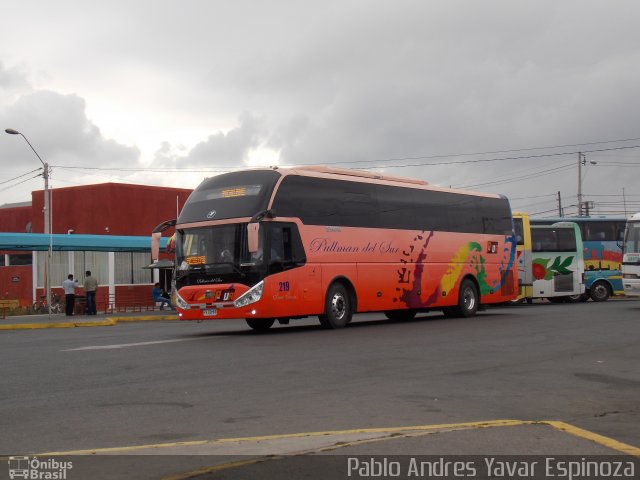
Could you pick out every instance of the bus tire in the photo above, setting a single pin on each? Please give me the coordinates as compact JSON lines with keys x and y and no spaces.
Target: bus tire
{"x":400,"y":314}
{"x":600,"y":291}
{"x":260,"y":324}
{"x":468,"y":301}
{"x":338,"y":308}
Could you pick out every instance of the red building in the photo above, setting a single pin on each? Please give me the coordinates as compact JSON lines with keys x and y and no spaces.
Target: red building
{"x":102,"y":209}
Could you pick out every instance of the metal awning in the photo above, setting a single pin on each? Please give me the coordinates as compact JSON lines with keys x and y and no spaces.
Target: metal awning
{"x":77,"y":243}
{"x":161,"y":264}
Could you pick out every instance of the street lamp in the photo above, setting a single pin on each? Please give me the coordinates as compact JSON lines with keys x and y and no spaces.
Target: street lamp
{"x":47,"y":216}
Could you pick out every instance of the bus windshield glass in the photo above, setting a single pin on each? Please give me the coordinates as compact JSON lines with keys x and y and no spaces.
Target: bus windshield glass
{"x":218,"y":249}
{"x":232,"y":195}
{"x":632,"y":238}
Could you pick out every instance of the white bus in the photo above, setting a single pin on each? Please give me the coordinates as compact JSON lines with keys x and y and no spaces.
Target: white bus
{"x":631,"y":257}
{"x":557,"y":262}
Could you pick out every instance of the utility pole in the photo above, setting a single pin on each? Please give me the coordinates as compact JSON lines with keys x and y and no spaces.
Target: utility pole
{"x":559,"y":205}
{"x":581,"y":161}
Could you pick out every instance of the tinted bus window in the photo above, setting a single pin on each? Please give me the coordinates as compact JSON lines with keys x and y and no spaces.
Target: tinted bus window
{"x":553,"y":240}
{"x":232,"y":195}
{"x":354,"y":204}
{"x":599,"y":231}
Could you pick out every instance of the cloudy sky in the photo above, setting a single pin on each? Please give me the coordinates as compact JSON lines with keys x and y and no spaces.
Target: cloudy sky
{"x":489,"y":95}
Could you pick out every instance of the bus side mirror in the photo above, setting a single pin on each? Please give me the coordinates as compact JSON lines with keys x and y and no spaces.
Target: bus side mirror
{"x":156,"y":233}
{"x":253,"y":230}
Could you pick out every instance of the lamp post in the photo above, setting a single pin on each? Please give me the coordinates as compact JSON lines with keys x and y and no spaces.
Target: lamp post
{"x":47,"y":214}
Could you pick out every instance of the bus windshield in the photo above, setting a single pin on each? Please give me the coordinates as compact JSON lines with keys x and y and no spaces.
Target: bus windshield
{"x":231,"y":195}
{"x":218,"y":249}
{"x":632,"y":238}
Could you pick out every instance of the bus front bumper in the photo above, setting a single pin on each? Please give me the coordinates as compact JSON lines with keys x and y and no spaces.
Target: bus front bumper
{"x":220,"y":302}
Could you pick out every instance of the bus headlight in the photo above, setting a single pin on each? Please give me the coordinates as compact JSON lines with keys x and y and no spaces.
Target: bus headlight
{"x":251,"y":296}
{"x":180,"y":302}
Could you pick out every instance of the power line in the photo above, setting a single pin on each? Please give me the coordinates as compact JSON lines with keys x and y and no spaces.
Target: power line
{"x":20,"y":176}
{"x":521,"y":177}
{"x":535,"y":196}
{"x":486,"y":153}
{"x":16,"y":184}
{"x":500,"y":159}
{"x":528,"y":157}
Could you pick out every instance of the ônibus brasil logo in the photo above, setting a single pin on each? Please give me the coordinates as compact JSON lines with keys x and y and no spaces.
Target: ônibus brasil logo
{"x":33,"y":468}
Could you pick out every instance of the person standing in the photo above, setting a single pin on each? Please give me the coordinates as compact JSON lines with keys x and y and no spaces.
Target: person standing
{"x":90,"y":288}
{"x":69,"y":286}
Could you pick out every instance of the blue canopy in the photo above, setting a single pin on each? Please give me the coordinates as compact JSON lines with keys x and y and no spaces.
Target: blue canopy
{"x":78,"y":243}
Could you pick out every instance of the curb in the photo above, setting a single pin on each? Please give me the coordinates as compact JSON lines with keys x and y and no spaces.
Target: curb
{"x":108,"y":322}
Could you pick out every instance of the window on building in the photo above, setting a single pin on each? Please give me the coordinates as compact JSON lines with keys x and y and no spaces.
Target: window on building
{"x":96,"y":262}
{"x":128,"y":268}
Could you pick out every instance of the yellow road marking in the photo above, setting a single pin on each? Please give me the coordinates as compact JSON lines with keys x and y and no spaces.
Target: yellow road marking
{"x":33,"y":326}
{"x":594,"y":437}
{"x":564,"y":427}
{"x":108,"y":322}
{"x":222,"y":466}
{"x":495,"y":423}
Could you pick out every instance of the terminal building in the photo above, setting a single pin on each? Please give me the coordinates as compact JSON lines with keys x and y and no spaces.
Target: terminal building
{"x":113,"y":224}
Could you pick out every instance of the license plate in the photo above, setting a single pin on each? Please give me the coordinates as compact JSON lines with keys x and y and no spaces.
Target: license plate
{"x":210,"y":312}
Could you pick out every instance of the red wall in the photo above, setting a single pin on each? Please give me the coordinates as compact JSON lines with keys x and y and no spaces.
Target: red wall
{"x":16,"y":219}
{"x":108,"y":208}
{"x":16,"y":283}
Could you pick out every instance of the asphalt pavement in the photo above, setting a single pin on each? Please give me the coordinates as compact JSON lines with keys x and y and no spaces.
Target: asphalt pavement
{"x":218,"y":400}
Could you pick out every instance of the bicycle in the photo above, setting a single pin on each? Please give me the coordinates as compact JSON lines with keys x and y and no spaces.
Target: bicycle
{"x":41,"y":306}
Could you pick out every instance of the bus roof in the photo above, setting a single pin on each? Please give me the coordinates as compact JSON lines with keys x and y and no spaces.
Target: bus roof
{"x":321,"y":171}
{"x":601,"y":218}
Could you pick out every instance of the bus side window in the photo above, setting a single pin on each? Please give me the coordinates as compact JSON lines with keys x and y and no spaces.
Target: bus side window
{"x":286,"y":248}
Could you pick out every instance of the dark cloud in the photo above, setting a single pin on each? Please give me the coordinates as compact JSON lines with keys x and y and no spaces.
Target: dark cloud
{"x":58,"y":124}
{"x":222,"y":149}
{"x":58,"y":128}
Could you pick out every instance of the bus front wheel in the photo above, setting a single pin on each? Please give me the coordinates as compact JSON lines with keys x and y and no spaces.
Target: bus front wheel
{"x":260,"y":324}
{"x":600,"y":292}
{"x":338,"y":307}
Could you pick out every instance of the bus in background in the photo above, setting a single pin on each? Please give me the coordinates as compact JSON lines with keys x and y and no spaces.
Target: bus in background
{"x":522,"y":230}
{"x":276,"y":244}
{"x":631,"y":257}
{"x":557,"y":263}
{"x":602,"y":240}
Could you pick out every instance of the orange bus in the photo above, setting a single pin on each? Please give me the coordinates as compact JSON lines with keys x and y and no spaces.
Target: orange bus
{"x":278,"y":244}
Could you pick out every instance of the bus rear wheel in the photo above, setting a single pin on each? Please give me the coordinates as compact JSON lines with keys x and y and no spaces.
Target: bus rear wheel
{"x":468,"y":301}
{"x":338,"y":308}
{"x":260,"y":324}
{"x":600,"y":292}
{"x":400,"y":314}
